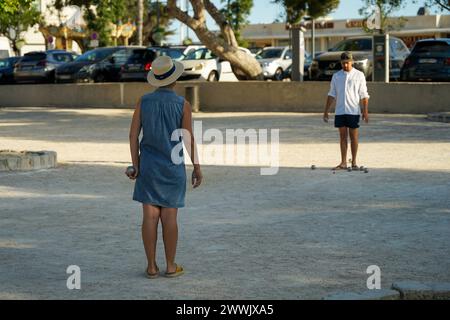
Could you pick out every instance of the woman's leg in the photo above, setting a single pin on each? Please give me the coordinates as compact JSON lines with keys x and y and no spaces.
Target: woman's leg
{"x":150,"y":234}
{"x":170,"y":236}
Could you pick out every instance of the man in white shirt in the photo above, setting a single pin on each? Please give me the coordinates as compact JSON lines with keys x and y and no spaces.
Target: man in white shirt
{"x":349,"y":90}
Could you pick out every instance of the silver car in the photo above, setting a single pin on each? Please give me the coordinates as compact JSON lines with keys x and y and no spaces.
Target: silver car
{"x":274,"y":61}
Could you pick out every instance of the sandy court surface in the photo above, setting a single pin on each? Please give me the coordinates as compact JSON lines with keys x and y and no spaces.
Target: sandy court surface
{"x":299,"y":234}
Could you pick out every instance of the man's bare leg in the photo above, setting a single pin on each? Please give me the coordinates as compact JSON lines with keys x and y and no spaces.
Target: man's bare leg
{"x":170,"y":236}
{"x":354,"y":137}
{"x":343,"y":134}
{"x":150,"y":234}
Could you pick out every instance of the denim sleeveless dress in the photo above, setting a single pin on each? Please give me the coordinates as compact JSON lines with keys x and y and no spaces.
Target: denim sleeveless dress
{"x":161,"y":181}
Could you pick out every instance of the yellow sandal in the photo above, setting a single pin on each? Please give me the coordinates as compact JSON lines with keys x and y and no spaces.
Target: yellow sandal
{"x":178,"y":272}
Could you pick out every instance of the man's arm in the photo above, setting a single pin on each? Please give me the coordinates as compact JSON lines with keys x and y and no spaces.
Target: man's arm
{"x":330,"y":101}
{"x":363,"y":93}
{"x":365,"y":112}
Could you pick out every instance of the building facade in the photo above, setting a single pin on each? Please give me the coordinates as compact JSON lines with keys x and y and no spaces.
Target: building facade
{"x":329,"y":32}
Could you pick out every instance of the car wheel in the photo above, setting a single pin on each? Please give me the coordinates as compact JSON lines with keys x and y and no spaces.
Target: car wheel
{"x":278,"y":75}
{"x":212,"y":77}
{"x":100,"y":77}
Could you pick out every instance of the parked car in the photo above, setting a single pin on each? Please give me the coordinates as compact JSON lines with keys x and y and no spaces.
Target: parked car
{"x":428,"y":61}
{"x":202,"y":64}
{"x":287,"y":74}
{"x":325,"y":65}
{"x":7,"y":69}
{"x":274,"y":61}
{"x":40,"y":66}
{"x":98,"y":65}
{"x":176,"y":53}
{"x":138,"y":65}
{"x":188,"y":49}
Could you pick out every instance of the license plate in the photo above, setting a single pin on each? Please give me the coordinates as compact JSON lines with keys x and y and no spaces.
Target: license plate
{"x":427,"y":61}
{"x":330,"y":72}
{"x":64,"y":77}
{"x":134,"y":68}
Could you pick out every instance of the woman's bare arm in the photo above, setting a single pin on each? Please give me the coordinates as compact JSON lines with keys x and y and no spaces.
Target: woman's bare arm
{"x":135,"y":130}
{"x":191,"y":146}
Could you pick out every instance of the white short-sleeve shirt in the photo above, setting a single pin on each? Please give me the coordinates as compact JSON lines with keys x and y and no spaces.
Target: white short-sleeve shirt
{"x":348,"y":88}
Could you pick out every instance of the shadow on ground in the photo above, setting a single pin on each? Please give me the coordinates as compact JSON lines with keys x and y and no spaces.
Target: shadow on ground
{"x":298,"y":235}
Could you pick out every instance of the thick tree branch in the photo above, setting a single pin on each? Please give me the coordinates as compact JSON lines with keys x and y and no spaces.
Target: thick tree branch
{"x":199,"y":10}
{"x":182,"y":16}
{"x":443,"y":5}
{"x":215,"y":13}
{"x":224,"y":25}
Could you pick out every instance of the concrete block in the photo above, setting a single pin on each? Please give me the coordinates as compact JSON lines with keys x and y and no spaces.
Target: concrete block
{"x":411,"y":290}
{"x":27,"y":160}
{"x":382,"y":294}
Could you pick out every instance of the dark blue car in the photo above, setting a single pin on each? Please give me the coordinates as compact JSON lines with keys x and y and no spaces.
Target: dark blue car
{"x":429,"y":61}
{"x":7,"y":69}
{"x":287,"y":74}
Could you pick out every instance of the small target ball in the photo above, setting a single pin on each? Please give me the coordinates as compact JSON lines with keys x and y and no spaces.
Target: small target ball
{"x":313,"y":167}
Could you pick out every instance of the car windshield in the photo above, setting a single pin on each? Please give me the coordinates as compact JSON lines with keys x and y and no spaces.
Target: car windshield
{"x":141,"y":55}
{"x":432,"y":47}
{"x":175,"y":54}
{"x":6,"y":63}
{"x":270,"y":54}
{"x":63,"y":57}
{"x":95,"y":55}
{"x":35,"y":56}
{"x":200,"y":54}
{"x":354,"y":45}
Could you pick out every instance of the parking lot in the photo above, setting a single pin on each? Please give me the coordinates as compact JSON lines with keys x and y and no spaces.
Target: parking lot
{"x":300,"y":234}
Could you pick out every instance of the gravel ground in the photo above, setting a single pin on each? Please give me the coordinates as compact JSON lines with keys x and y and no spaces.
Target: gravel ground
{"x":299,"y":234}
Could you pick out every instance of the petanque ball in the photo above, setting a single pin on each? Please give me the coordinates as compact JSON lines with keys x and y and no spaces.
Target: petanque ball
{"x":131,"y":170}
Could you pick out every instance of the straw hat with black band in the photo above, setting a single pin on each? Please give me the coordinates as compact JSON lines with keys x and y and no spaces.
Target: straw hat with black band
{"x":164,"y":71}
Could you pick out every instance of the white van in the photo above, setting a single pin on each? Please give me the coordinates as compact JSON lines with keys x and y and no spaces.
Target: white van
{"x":5,"y":48}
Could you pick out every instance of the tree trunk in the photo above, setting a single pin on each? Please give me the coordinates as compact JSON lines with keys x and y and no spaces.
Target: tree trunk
{"x":140,"y":21}
{"x":244,"y":65}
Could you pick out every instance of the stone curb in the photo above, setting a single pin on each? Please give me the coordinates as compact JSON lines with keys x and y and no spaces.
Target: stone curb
{"x":439,"y":117}
{"x":411,"y":290}
{"x":27,"y":160}
{"x":404,"y":290}
{"x":366,"y":295}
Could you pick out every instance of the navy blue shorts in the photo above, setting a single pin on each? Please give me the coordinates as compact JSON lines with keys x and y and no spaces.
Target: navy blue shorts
{"x":347,"y":120}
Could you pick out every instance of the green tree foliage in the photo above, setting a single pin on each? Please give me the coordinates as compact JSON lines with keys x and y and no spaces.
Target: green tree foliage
{"x":440,"y":5}
{"x":296,"y":9}
{"x":236,"y":12}
{"x":16,"y":16}
{"x":100,"y":13}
